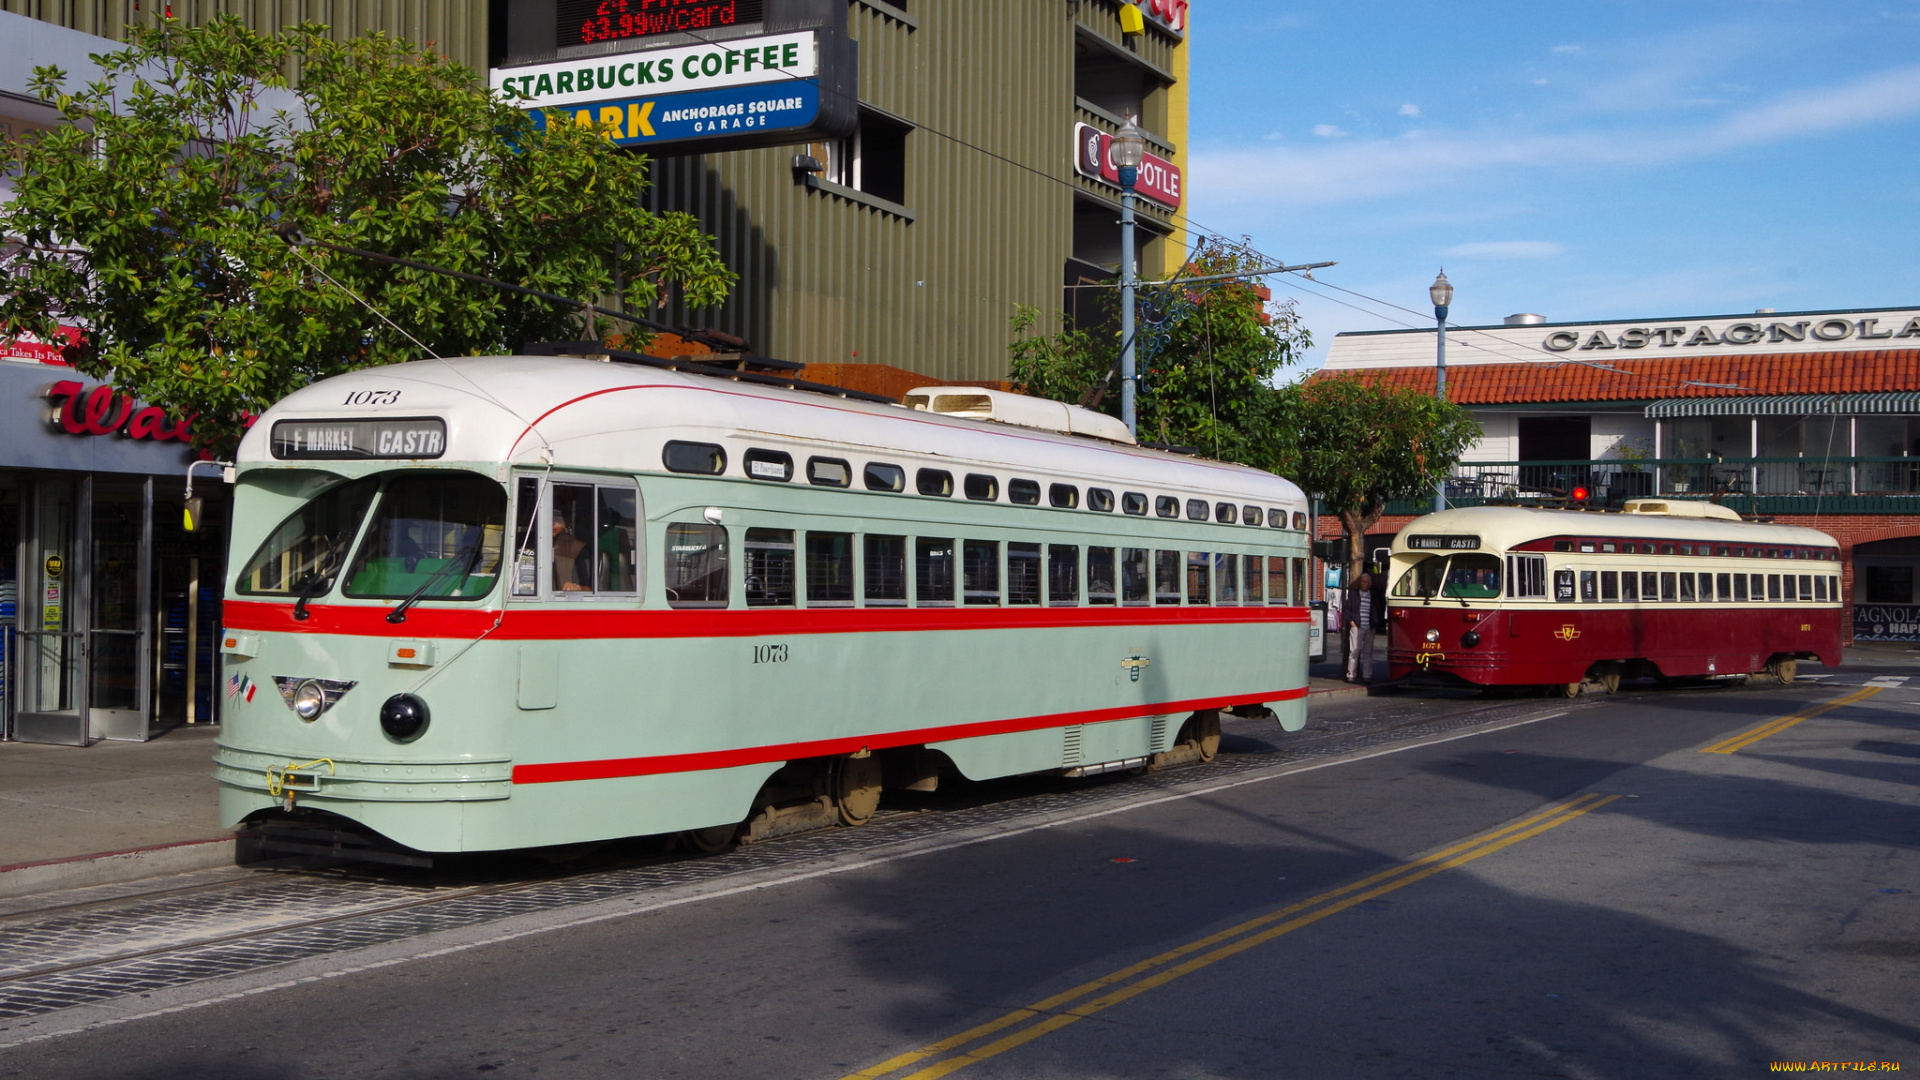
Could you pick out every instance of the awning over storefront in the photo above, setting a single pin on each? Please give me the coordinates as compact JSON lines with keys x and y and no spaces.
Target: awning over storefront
{"x":1904,"y":401}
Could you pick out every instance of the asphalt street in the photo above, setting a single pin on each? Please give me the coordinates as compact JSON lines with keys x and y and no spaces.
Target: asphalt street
{"x":1666,"y":883}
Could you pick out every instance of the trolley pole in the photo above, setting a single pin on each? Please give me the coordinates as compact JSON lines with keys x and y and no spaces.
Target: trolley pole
{"x":1442,"y":294}
{"x":1129,"y":148}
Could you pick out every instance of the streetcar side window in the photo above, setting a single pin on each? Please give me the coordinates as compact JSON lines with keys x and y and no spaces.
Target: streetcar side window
{"x":572,"y":548}
{"x":1166,"y":506}
{"x":1256,"y":579}
{"x":1739,"y":586}
{"x":770,"y":567}
{"x":829,"y":472}
{"x":1527,"y":576}
{"x":769,"y":465}
{"x":980,"y":571}
{"x":879,"y":476}
{"x":616,"y":538}
{"x":934,"y":482}
{"x":1197,"y":567}
{"x":696,"y":565}
{"x":933,"y":571}
{"x":1023,"y":571}
{"x":1135,"y":503}
{"x":1723,"y":584}
{"x":1135,"y":586}
{"x":886,"y":570}
{"x":1300,"y":594}
{"x":1668,"y":590}
{"x":1249,"y":515}
{"x":1706,"y":587}
{"x":1064,"y":496}
{"x":1589,"y":586}
{"x":1299,"y":521}
{"x":1786,"y":587}
{"x":1276,"y":519}
{"x":1563,"y":586}
{"x":1650,"y":586}
{"x":1820,"y":587}
{"x":1276,"y":580}
{"x":1197,"y":510}
{"x":1609,"y":586}
{"x":1686,"y":587}
{"x":1100,"y":575}
{"x":1629,"y":585}
{"x":691,"y":457}
{"x":1100,"y":499}
{"x":1773,"y":586}
{"x":1025,"y":492}
{"x":829,"y":568}
{"x":1805,"y":593}
{"x":1166,"y":577}
{"x":1224,"y":513}
{"x":1063,"y":574}
{"x":1758,"y":587}
{"x":526,"y":559}
{"x":1226,"y":578}
{"x":982,"y":488}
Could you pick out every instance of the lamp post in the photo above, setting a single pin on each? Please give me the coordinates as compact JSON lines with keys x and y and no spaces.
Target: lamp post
{"x":1442,"y":293}
{"x":1129,"y":147}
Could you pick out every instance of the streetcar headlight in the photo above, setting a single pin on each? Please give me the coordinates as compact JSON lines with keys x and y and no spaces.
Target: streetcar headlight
{"x":1433,"y":635}
{"x":1470,"y":638}
{"x":309,"y":700}
{"x":403,"y":717}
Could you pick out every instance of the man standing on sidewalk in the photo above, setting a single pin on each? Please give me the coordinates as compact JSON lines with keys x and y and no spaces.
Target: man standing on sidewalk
{"x":1360,"y":630}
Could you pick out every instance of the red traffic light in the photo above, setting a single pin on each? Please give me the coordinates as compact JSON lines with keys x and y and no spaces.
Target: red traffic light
{"x":1580,"y":494}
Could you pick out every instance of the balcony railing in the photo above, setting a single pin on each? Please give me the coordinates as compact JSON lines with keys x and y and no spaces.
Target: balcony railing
{"x":1797,"y":485}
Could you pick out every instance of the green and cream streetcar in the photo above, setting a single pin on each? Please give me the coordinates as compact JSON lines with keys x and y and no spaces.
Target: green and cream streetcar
{"x":510,"y":602}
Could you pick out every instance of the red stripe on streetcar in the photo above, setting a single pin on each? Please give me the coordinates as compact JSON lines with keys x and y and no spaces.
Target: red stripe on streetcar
{"x":549,"y":624}
{"x":613,"y":768}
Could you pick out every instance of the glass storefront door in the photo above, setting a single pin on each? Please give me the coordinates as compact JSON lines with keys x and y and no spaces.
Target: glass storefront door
{"x":118,"y":675}
{"x":52,"y":706}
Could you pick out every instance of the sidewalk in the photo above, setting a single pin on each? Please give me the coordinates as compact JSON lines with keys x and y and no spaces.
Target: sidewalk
{"x":116,"y":812}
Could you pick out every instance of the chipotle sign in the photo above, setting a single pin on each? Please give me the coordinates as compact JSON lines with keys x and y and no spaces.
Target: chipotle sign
{"x":1159,"y":179}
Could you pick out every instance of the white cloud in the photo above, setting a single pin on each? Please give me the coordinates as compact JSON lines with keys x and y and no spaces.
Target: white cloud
{"x":1541,"y":82}
{"x":1410,"y":110}
{"x":1568,"y":50}
{"x":1372,"y":168}
{"x":1504,"y":249}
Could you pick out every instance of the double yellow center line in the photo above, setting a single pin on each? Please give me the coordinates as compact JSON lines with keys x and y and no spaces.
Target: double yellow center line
{"x":1023,"y":1025}
{"x":1775,"y":727}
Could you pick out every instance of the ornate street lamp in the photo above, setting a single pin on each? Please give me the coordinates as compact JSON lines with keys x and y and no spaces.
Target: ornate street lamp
{"x":1129,"y":148}
{"x":1442,"y":293}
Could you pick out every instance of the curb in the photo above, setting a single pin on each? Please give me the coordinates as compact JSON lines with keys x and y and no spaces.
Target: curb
{"x":115,"y":867}
{"x":1335,"y":694}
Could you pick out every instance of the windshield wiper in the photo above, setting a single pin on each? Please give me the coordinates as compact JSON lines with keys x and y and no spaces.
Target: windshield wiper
{"x":310,"y":588}
{"x":399,"y":613}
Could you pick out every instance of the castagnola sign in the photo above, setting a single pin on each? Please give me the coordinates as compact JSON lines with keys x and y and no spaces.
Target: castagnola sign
{"x":1745,"y":332}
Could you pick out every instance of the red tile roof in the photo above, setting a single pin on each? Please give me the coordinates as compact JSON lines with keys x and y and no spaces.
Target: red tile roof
{"x":1652,"y":378}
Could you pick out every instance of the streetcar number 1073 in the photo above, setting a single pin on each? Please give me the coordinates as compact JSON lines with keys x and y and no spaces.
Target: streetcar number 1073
{"x":769,"y":654}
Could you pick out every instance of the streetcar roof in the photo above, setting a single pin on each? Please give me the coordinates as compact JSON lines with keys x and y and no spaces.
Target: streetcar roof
{"x":1500,"y":527}
{"x":577,"y":413}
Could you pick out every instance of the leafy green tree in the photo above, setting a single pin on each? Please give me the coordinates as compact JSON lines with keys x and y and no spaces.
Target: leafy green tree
{"x":149,"y":218}
{"x":1356,"y":446}
{"x":1206,"y":352}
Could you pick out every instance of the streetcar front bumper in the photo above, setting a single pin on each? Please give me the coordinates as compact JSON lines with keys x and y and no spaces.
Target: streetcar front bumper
{"x":278,"y":776}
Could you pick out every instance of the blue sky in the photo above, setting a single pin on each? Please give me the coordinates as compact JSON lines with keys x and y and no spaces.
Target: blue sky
{"x":1583,"y":161}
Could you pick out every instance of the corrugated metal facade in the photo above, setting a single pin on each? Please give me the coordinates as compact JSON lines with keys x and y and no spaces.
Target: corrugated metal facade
{"x":457,"y":28}
{"x":989,"y":88}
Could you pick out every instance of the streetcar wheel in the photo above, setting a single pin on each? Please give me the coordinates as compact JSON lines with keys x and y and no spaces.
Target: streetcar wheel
{"x":856,"y":788}
{"x":1206,"y":735}
{"x":1610,"y":680}
{"x":1570,"y":690}
{"x":711,"y":840}
{"x":1785,"y":669}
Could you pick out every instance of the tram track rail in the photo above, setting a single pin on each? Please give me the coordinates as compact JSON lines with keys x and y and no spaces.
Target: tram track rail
{"x":58,"y":960}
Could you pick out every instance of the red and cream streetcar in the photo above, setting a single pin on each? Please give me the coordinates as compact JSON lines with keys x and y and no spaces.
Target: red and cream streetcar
{"x":1510,"y":595}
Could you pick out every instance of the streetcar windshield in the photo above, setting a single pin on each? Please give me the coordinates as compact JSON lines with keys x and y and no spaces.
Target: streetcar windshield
{"x":306,"y":552}
{"x":1458,"y":577}
{"x":437,"y":535}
